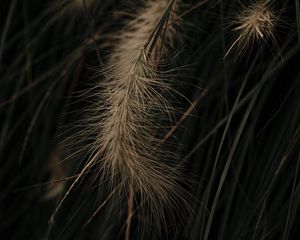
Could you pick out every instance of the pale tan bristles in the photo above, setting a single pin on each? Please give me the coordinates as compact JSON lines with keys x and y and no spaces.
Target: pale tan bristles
{"x":254,"y":24}
{"x":131,"y":106}
{"x":126,"y":146}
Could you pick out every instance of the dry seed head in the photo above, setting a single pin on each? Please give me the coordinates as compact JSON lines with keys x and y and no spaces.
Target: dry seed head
{"x":134,"y":102}
{"x":127,"y":147}
{"x":255,"y":23}
{"x":127,"y":117}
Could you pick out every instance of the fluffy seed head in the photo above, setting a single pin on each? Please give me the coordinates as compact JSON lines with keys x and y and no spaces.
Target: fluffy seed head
{"x":130,"y":113}
{"x":255,"y":23}
{"x":134,"y":103}
{"x":131,"y":107}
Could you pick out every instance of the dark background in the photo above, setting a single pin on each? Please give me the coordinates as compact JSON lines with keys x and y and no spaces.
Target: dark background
{"x":242,"y":138}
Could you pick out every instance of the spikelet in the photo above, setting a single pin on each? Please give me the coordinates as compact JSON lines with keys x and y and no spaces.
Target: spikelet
{"x":254,"y":24}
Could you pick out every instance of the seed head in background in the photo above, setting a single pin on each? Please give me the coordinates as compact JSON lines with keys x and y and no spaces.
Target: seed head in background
{"x":254,"y":23}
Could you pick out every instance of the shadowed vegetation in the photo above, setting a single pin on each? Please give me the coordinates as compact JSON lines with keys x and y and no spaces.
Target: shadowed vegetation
{"x":149,"y":119}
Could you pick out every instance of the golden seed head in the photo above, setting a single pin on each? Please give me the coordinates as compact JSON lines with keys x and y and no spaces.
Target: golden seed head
{"x":256,"y":22}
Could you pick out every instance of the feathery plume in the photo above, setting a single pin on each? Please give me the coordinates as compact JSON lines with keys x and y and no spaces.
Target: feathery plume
{"x":133,"y":103}
{"x":255,"y":23}
{"x":127,"y":147}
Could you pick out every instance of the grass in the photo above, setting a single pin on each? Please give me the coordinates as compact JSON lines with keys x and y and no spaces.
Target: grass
{"x":217,"y":95}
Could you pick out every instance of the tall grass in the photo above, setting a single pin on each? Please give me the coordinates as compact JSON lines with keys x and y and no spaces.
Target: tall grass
{"x":149,"y":119}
